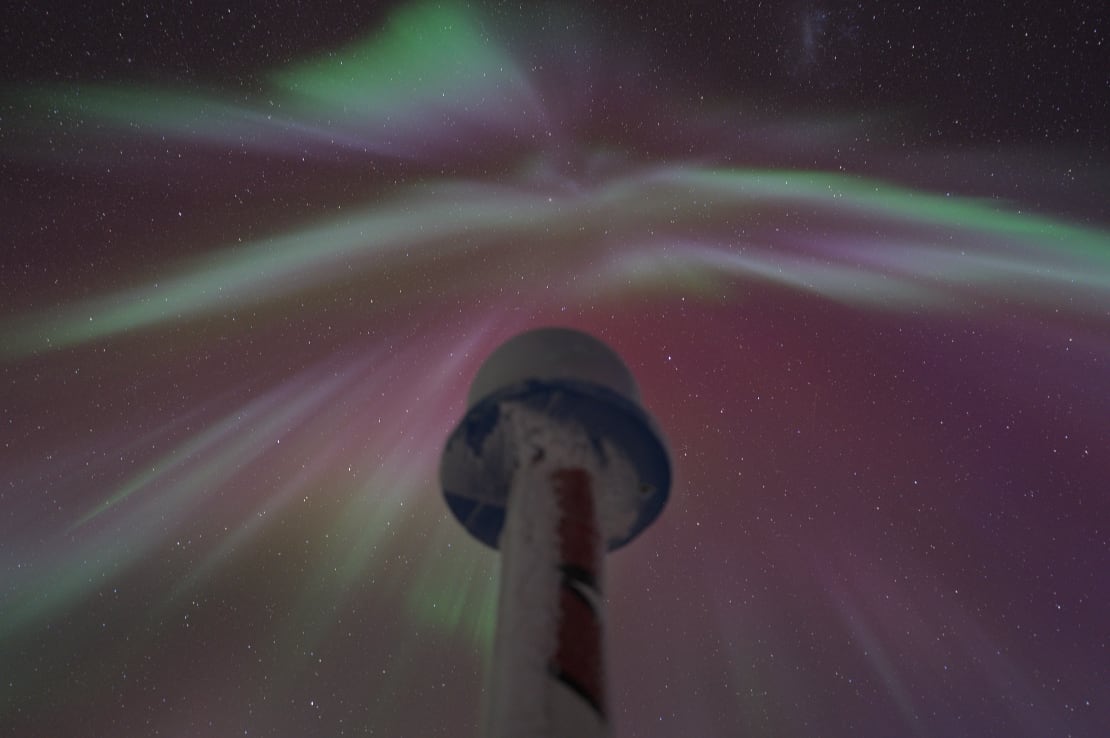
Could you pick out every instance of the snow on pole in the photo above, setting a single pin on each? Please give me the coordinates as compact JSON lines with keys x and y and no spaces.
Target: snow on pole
{"x":554,"y":463}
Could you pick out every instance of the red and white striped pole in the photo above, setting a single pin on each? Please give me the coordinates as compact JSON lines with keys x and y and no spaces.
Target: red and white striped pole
{"x":554,"y":463}
{"x":549,"y":663}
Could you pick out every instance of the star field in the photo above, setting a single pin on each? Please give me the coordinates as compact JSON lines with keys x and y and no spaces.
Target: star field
{"x":857,"y":256}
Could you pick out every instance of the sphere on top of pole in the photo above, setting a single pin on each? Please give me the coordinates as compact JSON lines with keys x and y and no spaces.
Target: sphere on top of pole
{"x":561,"y":378}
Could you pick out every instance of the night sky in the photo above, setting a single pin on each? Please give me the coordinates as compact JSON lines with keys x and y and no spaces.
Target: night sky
{"x":857,"y":256}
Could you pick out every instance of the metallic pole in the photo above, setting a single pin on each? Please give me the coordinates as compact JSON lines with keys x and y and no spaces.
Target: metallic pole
{"x":554,"y":463}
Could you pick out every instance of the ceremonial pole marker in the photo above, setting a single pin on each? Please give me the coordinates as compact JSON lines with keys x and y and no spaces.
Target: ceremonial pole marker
{"x":554,"y":463}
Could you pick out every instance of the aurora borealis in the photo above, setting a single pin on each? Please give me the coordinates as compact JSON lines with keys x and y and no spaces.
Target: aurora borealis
{"x":245,"y":291}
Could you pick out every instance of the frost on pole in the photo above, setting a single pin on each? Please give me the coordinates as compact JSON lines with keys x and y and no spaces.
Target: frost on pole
{"x":554,"y":463}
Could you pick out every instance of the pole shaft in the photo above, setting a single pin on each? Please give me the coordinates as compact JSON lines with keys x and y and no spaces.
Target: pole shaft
{"x":577,"y":661}
{"x":548,"y":671}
